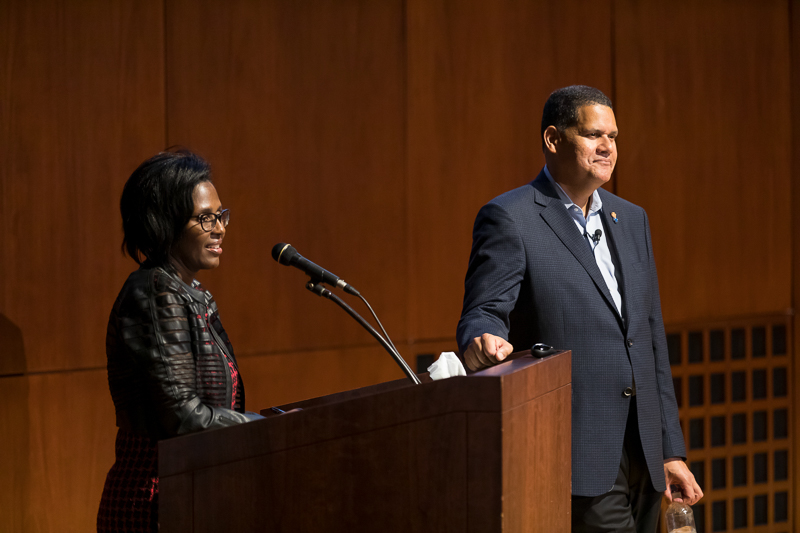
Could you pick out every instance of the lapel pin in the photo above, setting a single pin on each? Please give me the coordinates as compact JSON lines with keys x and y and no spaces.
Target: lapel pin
{"x":614,"y":217}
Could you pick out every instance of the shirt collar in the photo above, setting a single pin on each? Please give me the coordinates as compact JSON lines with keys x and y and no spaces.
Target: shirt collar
{"x":596,"y":204}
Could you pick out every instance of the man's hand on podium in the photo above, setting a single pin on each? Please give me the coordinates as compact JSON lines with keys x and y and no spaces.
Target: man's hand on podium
{"x":486,"y":350}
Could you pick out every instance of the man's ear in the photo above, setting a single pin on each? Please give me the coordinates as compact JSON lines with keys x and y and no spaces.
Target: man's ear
{"x":551,"y":138}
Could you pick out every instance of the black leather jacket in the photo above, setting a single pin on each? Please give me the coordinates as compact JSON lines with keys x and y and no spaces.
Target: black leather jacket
{"x":169,"y":358}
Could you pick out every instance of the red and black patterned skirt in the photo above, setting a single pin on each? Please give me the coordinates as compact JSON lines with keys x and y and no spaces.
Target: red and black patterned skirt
{"x":130,"y":495}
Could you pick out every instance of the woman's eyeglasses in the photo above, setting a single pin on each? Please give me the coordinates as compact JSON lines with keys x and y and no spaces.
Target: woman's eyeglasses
{"x":208,"y":221}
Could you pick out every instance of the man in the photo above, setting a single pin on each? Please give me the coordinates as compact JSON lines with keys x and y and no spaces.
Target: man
{"x":562,"y":262}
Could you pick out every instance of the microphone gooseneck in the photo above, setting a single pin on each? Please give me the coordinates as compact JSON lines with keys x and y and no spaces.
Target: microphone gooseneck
{"x":387,"y":344}
{"x":285,"y":254}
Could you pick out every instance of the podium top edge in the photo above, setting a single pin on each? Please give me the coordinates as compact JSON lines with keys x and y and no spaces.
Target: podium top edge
{"x":518,"y":361}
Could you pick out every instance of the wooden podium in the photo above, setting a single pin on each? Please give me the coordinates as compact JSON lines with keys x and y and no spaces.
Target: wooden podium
{"x":489,"y":452}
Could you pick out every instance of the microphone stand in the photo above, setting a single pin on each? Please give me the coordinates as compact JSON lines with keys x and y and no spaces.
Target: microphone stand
{"x":317,"y":288}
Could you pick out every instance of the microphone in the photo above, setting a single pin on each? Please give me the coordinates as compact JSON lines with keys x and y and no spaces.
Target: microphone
{"x":285,"y":254}
{"x":596,"y":237}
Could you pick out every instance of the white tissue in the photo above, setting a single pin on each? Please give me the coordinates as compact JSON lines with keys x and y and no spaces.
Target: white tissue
{"x":447,"y":366}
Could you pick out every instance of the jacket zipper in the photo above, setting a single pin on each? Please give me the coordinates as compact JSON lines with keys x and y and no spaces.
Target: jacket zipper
{"x":220,"y":343}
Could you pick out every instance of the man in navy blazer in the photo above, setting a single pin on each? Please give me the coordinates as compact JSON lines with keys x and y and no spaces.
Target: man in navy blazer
{"x":563,"y":262}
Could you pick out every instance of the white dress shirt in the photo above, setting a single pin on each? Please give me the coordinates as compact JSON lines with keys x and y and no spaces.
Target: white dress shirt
{"x":587,"y":227}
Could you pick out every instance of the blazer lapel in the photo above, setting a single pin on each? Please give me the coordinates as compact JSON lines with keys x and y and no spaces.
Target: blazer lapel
{"x":560,"y":221}
{"x":620,"y":245}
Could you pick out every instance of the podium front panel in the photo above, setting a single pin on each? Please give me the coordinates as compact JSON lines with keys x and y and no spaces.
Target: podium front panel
{"x":485,"y":453}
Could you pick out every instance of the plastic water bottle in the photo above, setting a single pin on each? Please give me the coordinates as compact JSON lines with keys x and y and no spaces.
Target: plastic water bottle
{"x":679,"y":516}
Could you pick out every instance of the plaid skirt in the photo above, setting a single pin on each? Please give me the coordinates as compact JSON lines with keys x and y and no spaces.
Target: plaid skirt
{"x":130,"y":496}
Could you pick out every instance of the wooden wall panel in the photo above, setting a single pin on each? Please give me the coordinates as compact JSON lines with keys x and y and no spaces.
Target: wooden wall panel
{"x":705,"y":139}
{"x":12,"y":361}
{"x":281,"y":378}
{"x":82,"y":99}
{"x":299,"y":106}
{"x":278,"y":379}
{"x":794,"y":421}
{"x":58,"y":444}
{"x":6,"y":36}
{"x":14,"y":446}
{"x":72,"y":434}
{"x":478,"y":76}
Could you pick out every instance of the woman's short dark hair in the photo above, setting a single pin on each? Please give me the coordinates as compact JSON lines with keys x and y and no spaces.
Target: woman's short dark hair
{"x":157,"y":203}
{"x":561,"y":108}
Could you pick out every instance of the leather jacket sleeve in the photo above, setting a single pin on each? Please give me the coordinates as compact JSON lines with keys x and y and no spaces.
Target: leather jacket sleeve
{"x":151,"y":367}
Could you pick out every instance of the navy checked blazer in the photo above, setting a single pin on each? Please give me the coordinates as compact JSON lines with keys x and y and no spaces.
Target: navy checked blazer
{"x":533,"y":278}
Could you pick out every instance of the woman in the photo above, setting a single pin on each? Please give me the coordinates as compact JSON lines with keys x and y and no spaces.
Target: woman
{"x":171,"y":368}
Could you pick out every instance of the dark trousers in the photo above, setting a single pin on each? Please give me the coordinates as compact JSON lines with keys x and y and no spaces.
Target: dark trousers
{"x":632,"y":505}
